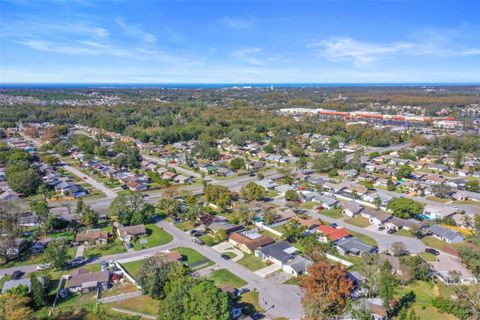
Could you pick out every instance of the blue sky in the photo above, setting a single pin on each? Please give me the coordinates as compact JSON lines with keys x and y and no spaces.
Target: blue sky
{"x":80,"y":41}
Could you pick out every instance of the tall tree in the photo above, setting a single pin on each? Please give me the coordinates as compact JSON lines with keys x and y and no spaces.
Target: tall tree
{"x":326,"y":289}
{"x":57,"y":253}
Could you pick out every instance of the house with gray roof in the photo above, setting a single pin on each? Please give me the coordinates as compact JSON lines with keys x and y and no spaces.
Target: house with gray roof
{"x":268,"y":184}
{"x":297,"y":266}
{"x":352,"y":209}
{"x":354,"y":246}
{"x":279,"y":253}
{"x":444,"y":234}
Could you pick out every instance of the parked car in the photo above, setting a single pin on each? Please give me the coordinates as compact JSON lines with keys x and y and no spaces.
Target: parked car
{"x":333,"y":225}
{"x":391,"y":231}
{"x":241,"y":291}
{"x":43,"y":266}
{"x":198,"y":241}
{"x":432,"y":251}
{"x":17,"y":274}
{"x":381,"y":228}
{"x":76,"y":262}
{"x":225,"y":256}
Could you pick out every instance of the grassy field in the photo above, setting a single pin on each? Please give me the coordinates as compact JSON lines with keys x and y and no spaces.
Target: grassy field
{"x":209,"y":240}
{"x":224,"y":278}
{"x":403,"y":232}
{"x":155,"y":237}
{"x":332,"y":213}
{"x":309,"y":205}
{"x":358,"y":221}
{"x":271,"y":235}
{"x":364,"y":238}
{"x":432,"y":198}
{"x":434,"y":242}
{"x":113,"y":247}
{"x":192,"y":257}
{"x":424,"y":294}
{"x":184,"y":226}
{"x":251,"y":262}
{"x":249,"y":301}
{"x":119,"y":288}
{"x":142,"y":304}
{"x":133,"y":267}
{"x":428,"y":256}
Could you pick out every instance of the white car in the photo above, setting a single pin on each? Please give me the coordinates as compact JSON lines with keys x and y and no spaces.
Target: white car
{"x":43,"y":266}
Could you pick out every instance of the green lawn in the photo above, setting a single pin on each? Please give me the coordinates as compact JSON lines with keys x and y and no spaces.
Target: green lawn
{"x":231,"y":255}
{"x":184,"y":226}
{"x":444,"y":200}
{"x":358,"y":221}
{"x":428,"y":256}
{"x":271,"y":235}
{"x":112,"y":247}
{"x":142,"y":304}
{"x":155,"y":237}
{"x":249,"y":302}
{"x":224,"y":278}
{"x":24,"y":259}
{"x":251,"y":262}
{"x":424,"y":294}
{"x":403,"y":232}
{"x":309,"y":205}
{"x":332,"y":213}
{"x":133,"y":267}
{"x":192,"y":257}
{"x":434,"y":242}
{"x":364,"y":238}
{"x":209,"y":240}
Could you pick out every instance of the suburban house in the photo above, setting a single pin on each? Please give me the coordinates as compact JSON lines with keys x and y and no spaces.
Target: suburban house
{"x":92,"y":237}
{"x":279,"y":253}
{"x":129,"y":233}
{"x":354,"y":246}
{"x":376,"y":217}
{"x":82,"y":280}
{"x":297,"y":266}
{"x":282,"y":254}
{"x":333,"y":234}
{"x":466,"y":195}
{"x":444,"y":234}
{"x":182,"y":179}
{"x":352,"y":209}
{"x":268,"y":184}
{"x":249,"y":241}
{"x":433,"y":212}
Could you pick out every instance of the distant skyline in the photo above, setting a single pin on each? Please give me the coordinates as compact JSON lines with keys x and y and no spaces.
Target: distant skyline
{"x":239,"y":42}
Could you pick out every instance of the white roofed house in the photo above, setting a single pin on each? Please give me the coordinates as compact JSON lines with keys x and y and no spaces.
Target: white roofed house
{"x":268,"y":184}
{"x":434,"y":212}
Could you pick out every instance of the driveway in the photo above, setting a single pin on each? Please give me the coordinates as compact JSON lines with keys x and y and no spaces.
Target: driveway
{"x":264,"y":272}
{"x":225,"y":247}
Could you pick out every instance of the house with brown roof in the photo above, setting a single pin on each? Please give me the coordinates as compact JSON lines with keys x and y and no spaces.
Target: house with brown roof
{"x":249,"y":242}
{"x":168,"y":256}
{"x":92,"y":237}
{"x":85,"y":281}
{"x":129,"y":233}
{"x":332,"y":234}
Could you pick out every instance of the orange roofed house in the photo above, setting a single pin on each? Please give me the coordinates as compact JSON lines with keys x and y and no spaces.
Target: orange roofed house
{"x":332,"y":234}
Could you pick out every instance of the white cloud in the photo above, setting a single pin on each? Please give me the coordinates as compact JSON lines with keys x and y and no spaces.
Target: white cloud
{"x":256,"y":56}
{"x":136,"y":30}
{"x":238,"y":23}
{"x":363,"y":53}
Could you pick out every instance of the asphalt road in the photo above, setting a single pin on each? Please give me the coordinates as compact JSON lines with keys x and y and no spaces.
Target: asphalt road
{"x":278,"y":300}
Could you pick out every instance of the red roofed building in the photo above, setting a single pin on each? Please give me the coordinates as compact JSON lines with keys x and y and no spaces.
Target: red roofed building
{"x":333,"y":234}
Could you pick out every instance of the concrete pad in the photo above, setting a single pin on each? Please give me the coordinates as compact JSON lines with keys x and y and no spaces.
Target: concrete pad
{"x":80,"y":250}
{"x":268,"y":270}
